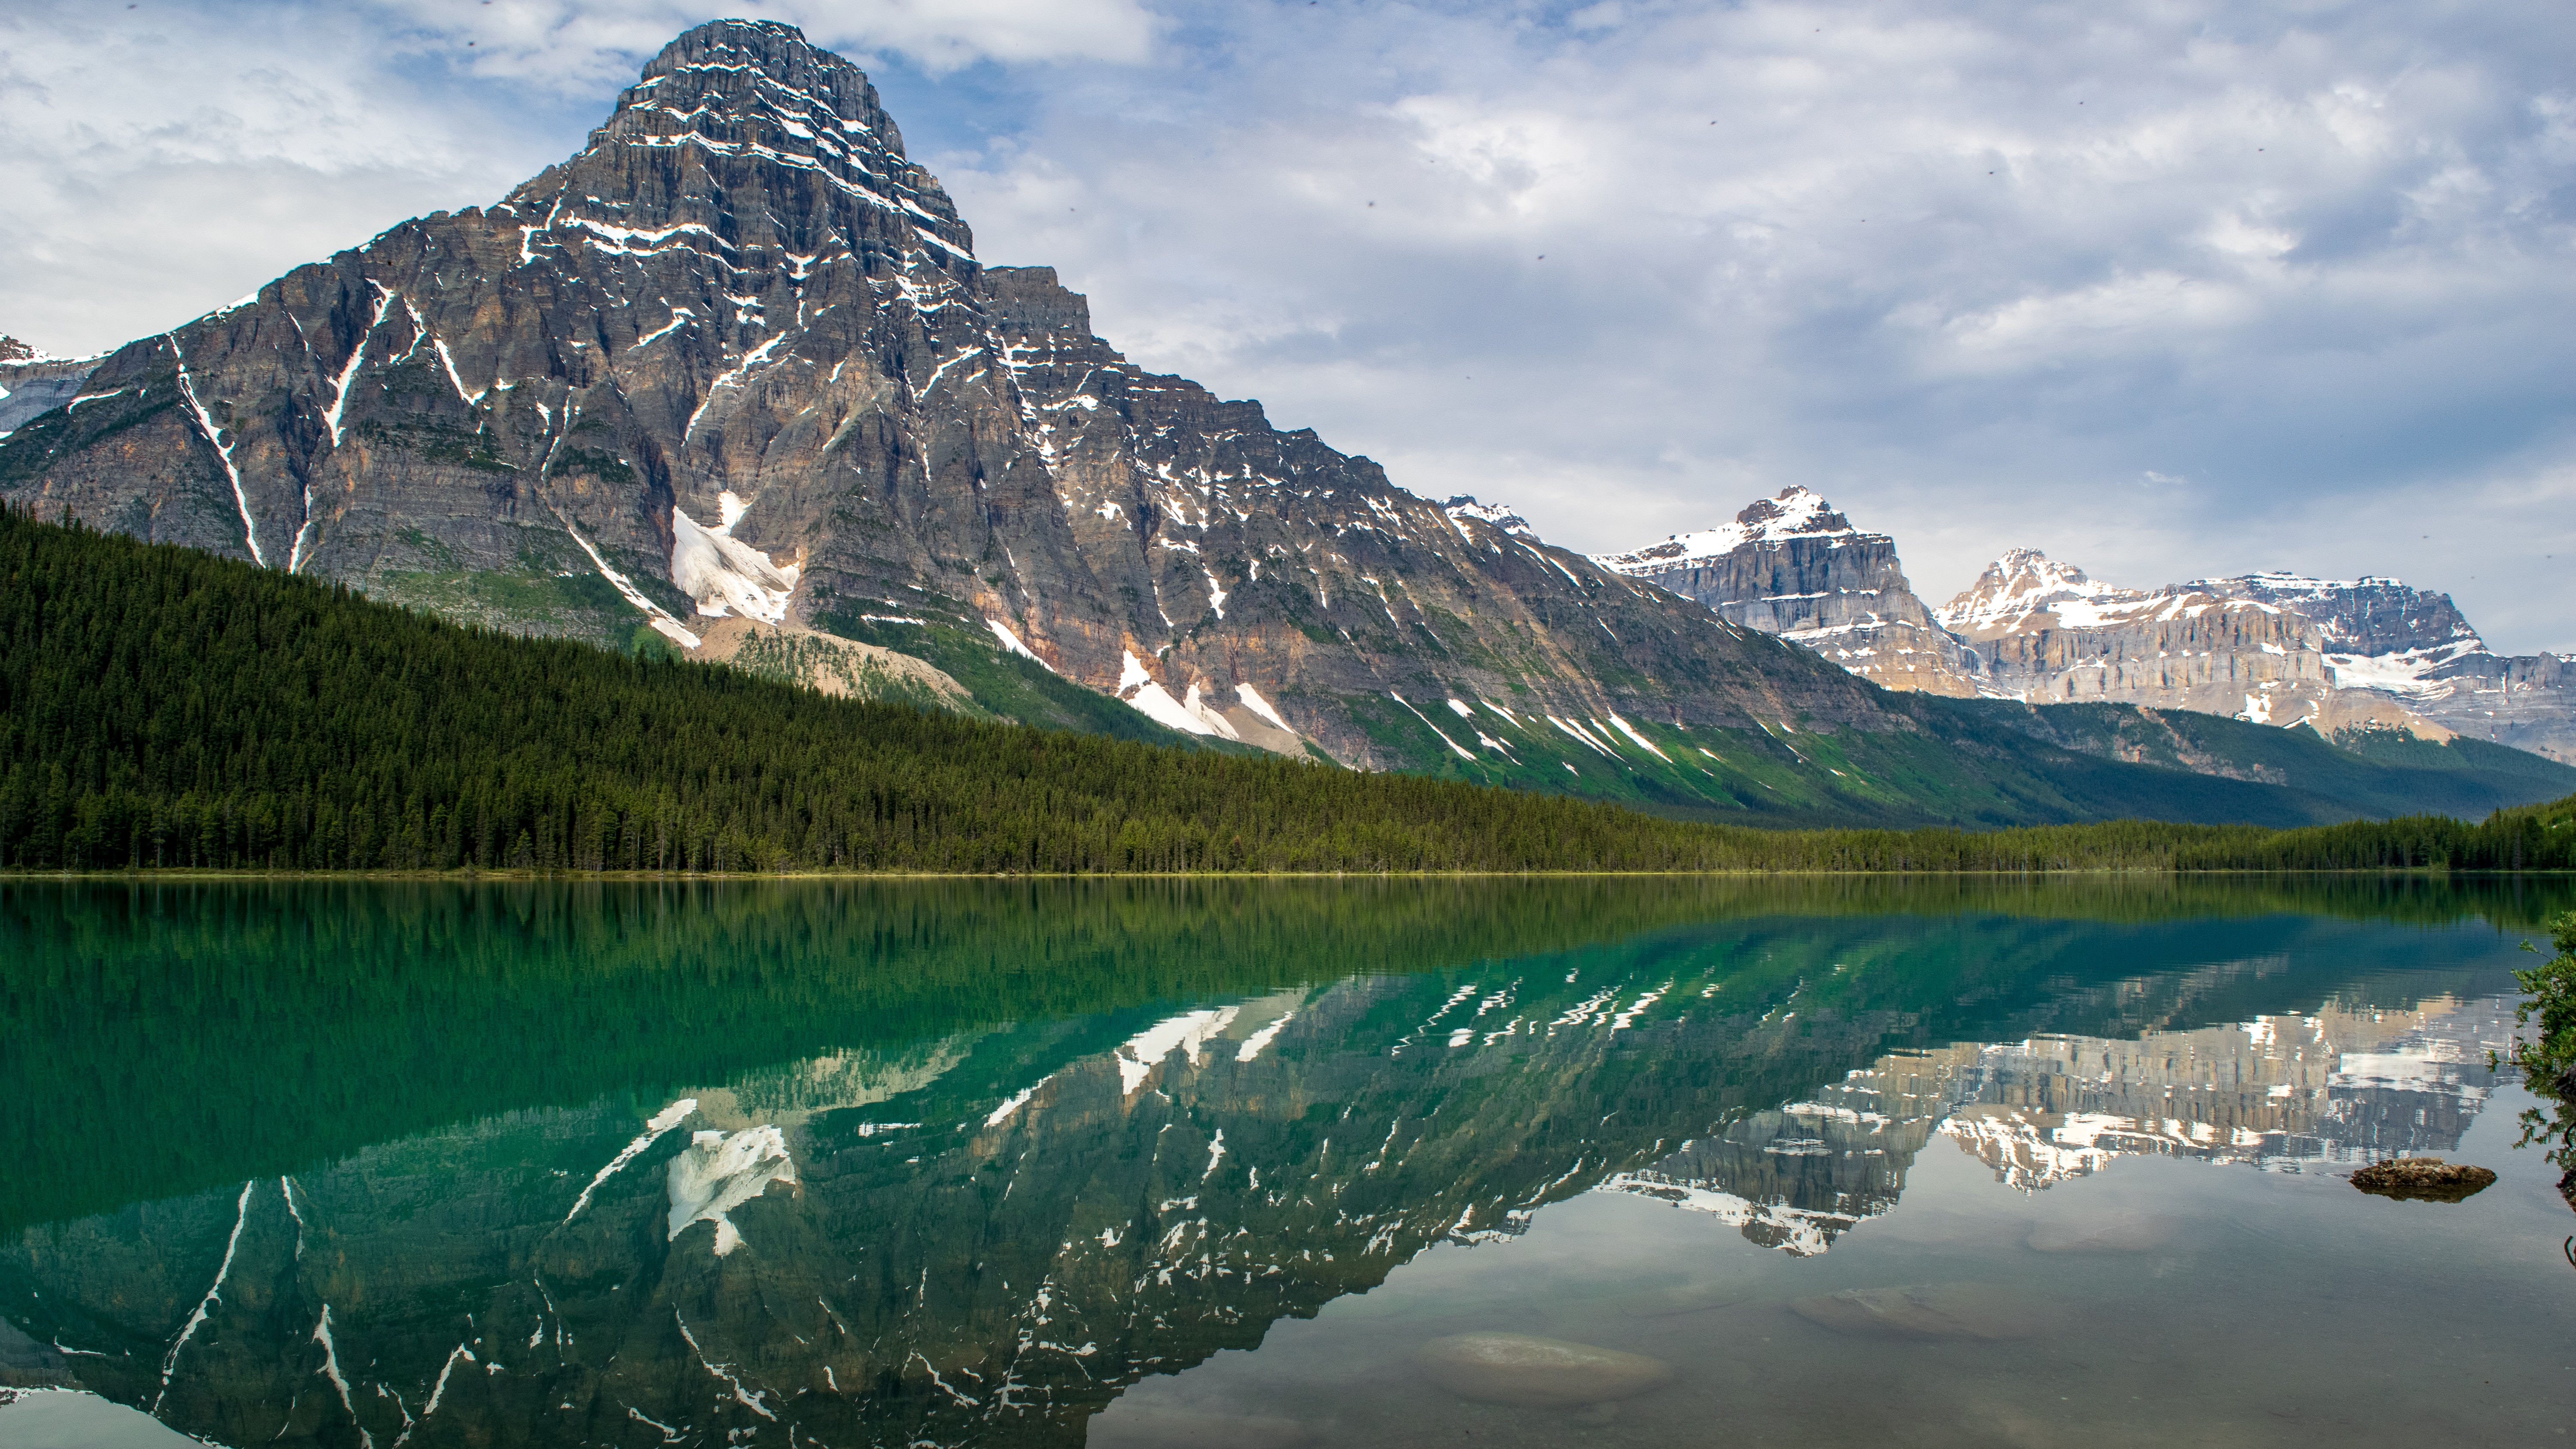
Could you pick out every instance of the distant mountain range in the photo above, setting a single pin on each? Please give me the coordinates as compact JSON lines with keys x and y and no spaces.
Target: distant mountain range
{"x":2270,"y":648}
{"x":731,"y":382}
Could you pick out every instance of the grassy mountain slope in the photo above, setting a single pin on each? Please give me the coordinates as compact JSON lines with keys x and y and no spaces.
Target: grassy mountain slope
{"x":2375,"y":773}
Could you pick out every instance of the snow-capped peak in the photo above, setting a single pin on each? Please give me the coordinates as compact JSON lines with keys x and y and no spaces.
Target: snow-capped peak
{"x":2023,"y":582}
{"x":1792,"y":513}
{"x":1499,"y":515}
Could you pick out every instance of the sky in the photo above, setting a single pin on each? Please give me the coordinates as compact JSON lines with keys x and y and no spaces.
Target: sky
{"x":2168,"y":288}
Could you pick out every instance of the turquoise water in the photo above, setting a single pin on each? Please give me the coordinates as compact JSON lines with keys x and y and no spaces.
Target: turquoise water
{"x":1158,"y":1163}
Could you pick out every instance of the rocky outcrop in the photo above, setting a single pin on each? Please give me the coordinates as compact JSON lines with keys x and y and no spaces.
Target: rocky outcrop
{"x":1793,"y":566}
{"x":737,"y":359}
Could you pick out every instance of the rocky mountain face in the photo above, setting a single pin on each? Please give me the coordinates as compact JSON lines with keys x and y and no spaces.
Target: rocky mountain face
{"x":2273,"y":648}
{"x":737,"y":360}
{"x":1793,"y":566}
{"x":2048,"y":632}
{"x":2415,"y":648}
{"x":33,"y":384}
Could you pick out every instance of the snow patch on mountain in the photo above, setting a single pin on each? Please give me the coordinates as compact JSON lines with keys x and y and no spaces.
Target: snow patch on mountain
{"x":724,"y":574}
{"x":1188,"y":1034}
{"x":1140,"y":691}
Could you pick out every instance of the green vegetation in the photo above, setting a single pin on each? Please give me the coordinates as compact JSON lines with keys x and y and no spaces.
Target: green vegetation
{"x":2369,"y":772}
{"x":2525,"y":837}
{"x":163,"y":708}
{"x":2550,"y":1062}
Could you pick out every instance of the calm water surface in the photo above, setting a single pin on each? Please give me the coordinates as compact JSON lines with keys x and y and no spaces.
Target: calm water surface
{"x":1158,"y":1164}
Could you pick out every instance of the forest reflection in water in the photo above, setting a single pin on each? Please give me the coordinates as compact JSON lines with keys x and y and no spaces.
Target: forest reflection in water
{"x":964,"y":1162}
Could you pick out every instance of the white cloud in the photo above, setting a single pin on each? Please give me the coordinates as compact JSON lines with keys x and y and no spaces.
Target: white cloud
{"x":165,"y":160}
{"x":1973,"y":270}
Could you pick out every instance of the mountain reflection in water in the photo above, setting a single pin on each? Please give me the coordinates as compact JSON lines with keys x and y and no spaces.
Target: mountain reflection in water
{"x":2341,"y":1088}
{"x":959,"y":1163}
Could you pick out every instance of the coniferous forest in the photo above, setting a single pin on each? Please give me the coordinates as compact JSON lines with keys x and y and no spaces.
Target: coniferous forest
{"x":162,"y":708}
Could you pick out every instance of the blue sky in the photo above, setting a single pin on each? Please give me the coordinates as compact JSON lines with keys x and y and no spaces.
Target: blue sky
{"x":2166,"y":289}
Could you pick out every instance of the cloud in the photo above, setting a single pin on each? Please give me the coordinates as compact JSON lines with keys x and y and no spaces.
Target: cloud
{"x":165,"y":160}
{"x":2168,"y":291}
{"x":1972,"y":269}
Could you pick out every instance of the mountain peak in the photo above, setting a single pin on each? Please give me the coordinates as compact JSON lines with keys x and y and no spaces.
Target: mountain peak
{"x":2023,"y":582}
{"x":747,"y":110}
{"x":1464,"y":505}
{"x":1793,"y":512}
{"x":13,"y":350}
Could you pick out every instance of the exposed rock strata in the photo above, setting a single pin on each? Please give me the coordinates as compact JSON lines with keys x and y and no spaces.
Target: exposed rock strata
{"x":33,"y":384}
{"x":2051,"y":634}
{"x":1795,"y":567}
{"x":2413,"y":649}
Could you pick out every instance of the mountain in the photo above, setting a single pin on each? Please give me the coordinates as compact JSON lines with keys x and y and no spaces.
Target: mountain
{"x":737,"y":360}
{"x":2415,"y":647}
{"x":2049,"y":632}
{"x":2278,"y":648}
{"x":1793,"y":566}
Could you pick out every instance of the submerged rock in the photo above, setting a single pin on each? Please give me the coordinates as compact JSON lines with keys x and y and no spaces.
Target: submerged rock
{"x":1124,"y":1428}
{"x":1929,"y":1310}
{"x":1681,"y":1298}
{"x":2424,"y":1179}
{"x":1514,"y":1368}
{"x":2132,"y":1233}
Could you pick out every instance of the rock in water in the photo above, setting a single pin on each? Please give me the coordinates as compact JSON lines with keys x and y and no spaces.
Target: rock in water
{"x":2425,"y":1179}
{"x":1928,"y":1310}
{"x":2130,"y":1233}
{"x":1514,"y":1368}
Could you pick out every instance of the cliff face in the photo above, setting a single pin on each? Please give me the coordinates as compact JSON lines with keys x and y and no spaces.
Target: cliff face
{"x":1793,"y":566}
{"x":2415,"y":649}
{"x":32,"y":384}
{"x":2050,"y":634}
{"x":737,"y":359}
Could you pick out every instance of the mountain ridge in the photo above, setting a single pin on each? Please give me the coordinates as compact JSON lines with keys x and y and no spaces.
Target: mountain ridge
{"x":2272,"y":647}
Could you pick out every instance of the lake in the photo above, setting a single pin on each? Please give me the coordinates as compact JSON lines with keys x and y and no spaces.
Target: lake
{"x":1813,"y":1161}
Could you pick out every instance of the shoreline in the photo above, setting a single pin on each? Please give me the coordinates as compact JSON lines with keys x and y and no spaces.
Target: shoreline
{"x":143,"y":875}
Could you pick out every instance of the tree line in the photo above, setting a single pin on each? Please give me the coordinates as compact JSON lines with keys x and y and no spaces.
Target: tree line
{"x":162,"y":709}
